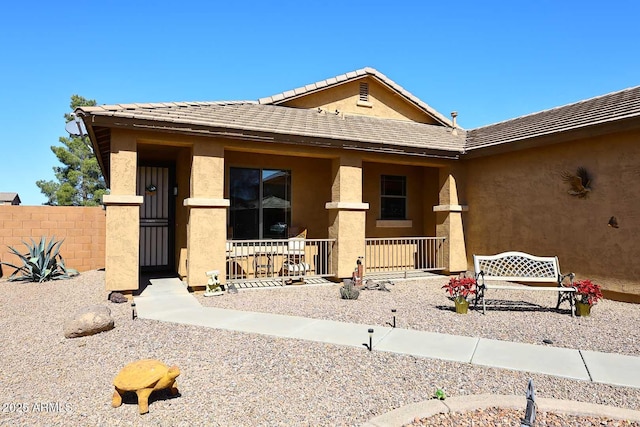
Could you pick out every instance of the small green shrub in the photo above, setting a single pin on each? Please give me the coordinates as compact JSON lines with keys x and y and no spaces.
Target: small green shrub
{"x":41,"y":263}
{"x":440,"y":394}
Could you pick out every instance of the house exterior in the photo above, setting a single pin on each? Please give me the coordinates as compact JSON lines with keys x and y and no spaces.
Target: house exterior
{"x":368,"y":170}
{"x":9,"y":199}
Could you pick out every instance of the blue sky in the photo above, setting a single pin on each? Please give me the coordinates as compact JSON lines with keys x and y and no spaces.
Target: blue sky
{"x":490,"y":60}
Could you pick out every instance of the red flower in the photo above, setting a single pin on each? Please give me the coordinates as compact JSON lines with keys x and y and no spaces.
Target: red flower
{"x":460,"y":288}
{"x":587,"y":292}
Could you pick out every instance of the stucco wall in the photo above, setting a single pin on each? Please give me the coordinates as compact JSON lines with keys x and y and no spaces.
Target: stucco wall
{"x":82,"y":228}
{"x":518,"y":201}
{"x":384,"y":103}
{"x":422,"y":195}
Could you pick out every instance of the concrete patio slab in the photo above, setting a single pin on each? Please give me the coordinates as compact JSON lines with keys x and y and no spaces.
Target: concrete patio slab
{"x":429,"y":344}
{"x":609,"y":368}
{"x":560,"y":362}
{"x":167,"y":286}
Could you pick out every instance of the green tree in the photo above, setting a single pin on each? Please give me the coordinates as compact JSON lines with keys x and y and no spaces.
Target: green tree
{"x":79,"y":181}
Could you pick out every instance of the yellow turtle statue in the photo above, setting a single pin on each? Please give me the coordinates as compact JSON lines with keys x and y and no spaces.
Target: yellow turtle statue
{"x":143,"y":377}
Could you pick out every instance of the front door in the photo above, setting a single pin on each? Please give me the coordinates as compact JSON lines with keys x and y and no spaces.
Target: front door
{"x":155,"y":184}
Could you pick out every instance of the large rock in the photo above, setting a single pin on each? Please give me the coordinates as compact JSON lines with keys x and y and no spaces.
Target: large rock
{"x":88,"y":321}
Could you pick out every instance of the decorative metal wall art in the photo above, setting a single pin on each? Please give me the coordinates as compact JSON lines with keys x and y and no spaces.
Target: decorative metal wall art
{"x":580,"y":182}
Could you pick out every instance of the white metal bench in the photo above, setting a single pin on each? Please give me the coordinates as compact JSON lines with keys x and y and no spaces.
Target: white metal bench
{"x":521,"y":267}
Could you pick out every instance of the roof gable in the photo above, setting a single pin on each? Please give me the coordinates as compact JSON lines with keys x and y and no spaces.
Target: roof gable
{"x":388,"y":99}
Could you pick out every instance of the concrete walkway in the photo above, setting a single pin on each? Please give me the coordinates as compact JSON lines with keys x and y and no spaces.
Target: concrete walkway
{"x":168,"y":300}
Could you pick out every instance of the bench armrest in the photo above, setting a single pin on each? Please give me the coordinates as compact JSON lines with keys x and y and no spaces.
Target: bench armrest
{"x":561,"y":278}
{"x":477,"y":276}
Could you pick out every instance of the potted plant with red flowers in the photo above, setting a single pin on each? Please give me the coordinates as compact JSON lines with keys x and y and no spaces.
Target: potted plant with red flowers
{"x":460,"y":288}
{"x":587,"y":294}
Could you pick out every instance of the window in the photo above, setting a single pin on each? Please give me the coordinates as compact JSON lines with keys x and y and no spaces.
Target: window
{"x":393,"y":197}
{"x":260,"y":203}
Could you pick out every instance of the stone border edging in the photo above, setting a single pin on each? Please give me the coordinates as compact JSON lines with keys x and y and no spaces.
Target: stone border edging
{"x":407,"y":414}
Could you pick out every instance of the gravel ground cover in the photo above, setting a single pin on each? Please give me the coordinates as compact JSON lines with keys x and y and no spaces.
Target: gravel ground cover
{"x":236,"y":379}
{"x":521,"y":316}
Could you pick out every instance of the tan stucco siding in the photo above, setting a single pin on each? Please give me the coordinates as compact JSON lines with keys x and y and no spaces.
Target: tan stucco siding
{"x":449,"y":216}
{"x":429,"y":200}
{"x":421,"y":197}
{"x":207,"y":169}
{"x":183,"y":174}
{"x":121,"y":247}
{"x":123,"y":215}
{"x":124,"y":163}
{"x":310,"y":186}
{"x":518,"y":201}
{"x":383,"y":102}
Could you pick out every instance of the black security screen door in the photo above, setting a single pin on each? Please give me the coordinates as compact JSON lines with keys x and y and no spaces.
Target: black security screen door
{"x":156,"y":217}
{"x":260,"y":203}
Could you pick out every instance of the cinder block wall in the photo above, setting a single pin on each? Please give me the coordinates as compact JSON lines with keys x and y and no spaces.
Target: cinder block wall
{"x":82,"y":228}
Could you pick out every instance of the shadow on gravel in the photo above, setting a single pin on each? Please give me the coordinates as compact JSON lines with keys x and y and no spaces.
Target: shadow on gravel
{"x":509,"y":305}
{"x":130,"y":397}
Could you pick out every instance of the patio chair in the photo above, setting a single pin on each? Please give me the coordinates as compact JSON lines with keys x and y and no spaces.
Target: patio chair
{"x":262,"y":264}
{"x":294,"y":264}
{"x":234,"y":263}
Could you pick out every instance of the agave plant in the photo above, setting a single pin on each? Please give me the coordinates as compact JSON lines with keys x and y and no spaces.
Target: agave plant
{"x":41,"y":263}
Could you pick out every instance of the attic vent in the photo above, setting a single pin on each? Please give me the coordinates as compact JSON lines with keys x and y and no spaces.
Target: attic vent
{"x":364,"y":92}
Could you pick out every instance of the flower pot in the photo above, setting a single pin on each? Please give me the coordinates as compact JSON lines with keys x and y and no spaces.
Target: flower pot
{"x":583,"y":309}
{"x":462,"y":305}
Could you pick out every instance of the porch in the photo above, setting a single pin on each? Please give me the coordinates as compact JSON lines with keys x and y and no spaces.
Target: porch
{"x":278,"y":262}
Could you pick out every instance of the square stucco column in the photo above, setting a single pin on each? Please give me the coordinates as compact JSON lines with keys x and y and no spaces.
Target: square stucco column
{"x":207,"y":218}
{"x":347,"y":215}
{"x":123,"y":216}
{"x":449,"y":220}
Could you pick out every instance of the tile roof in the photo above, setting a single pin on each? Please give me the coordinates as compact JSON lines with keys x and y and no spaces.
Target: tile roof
{"x":241,"y":118}
{"x":350,"y":76}
{"x":602,"y":109}
{"x":265,"y":120}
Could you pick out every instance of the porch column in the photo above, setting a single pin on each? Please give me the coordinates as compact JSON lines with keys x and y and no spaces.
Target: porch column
{"x":449,"y":219}
{"x":347,"y":214}
{"x":207,"y":217}
{"x":123,"y":216}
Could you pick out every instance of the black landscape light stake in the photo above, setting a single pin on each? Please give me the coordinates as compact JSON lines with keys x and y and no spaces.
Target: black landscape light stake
{"x":370,"y":346}
{"x":393,"y":325}
{"x":134,"y":313}
{"x":530,"y":413}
